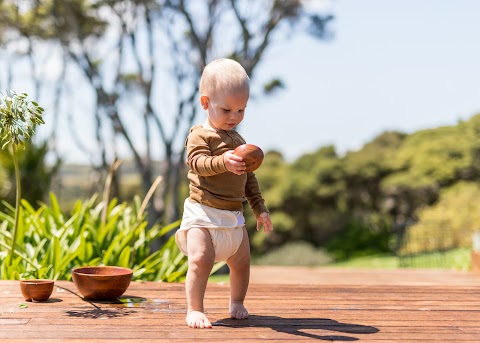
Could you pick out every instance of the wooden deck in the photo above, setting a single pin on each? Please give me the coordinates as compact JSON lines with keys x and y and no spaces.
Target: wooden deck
{"x":328,"y":305}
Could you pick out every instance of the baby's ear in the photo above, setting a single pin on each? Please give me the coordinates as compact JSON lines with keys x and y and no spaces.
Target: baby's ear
{"x":204,"y":101}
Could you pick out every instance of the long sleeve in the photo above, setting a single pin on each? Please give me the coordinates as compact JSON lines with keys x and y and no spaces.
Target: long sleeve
{"x":254,"y":195}
{"x":200,"y":159}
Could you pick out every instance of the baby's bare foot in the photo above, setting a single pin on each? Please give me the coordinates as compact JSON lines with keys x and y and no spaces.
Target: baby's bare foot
{"x":198,"y":320}
{"x":238,"y":311}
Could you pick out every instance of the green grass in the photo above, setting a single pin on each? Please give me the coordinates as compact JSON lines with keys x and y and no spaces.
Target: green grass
{"x":379,"y":261}
{"x":457,"y":259}
{"x":294,"y":254}
{"x":304,"y":254}
{"x":219,"y":278}
{"x":215,"y":278}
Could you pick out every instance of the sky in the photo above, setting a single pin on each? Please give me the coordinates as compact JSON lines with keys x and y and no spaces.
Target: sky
{"x":401,"y":65}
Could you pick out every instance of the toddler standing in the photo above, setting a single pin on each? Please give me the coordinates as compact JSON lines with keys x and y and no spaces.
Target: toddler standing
{"x":213,"y":225}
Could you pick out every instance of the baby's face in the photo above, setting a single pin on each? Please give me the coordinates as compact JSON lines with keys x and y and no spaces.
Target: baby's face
{"x":226,"y":110}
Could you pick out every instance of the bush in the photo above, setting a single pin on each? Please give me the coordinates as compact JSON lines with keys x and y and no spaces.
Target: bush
{"x":359,"y":239}
{"x":49,"y":244}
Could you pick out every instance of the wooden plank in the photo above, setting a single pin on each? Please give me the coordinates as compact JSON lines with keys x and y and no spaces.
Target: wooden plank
{"x":267,"y":333}
{"x":285,"y":305}
{"x":233,"y":340}
{"x":389,"y":314}
{"x":305,"y":319}
{"x":13,"y":321}
{"x":253,"y":327}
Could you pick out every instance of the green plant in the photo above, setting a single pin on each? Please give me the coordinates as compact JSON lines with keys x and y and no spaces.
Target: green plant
{"x":18,"y":119}
{"x":95,"y":233}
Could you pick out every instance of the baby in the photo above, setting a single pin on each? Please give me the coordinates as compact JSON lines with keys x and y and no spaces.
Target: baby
{"x":213,"y":225}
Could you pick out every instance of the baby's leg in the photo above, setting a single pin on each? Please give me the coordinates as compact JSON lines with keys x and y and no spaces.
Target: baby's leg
{"x":239,"y":265}
{"x":201,"y":256}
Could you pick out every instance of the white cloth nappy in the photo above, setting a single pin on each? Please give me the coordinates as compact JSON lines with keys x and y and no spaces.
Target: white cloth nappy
{"x":225,"y":227}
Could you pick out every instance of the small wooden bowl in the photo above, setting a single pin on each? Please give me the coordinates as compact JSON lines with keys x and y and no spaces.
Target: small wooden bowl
{"x":252,"y":156}
{"x":36,"y":290}
{"x":103,"y":283}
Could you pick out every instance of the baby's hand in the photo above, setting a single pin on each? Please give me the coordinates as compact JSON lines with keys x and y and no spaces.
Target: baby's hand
{"x":264,"y":220}
{"x":234,"y":163}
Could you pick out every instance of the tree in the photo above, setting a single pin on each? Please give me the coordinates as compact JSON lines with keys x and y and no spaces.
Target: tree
{"x":449,"y":223}
{"x":142,"y":59}
{"x":304,"y":197}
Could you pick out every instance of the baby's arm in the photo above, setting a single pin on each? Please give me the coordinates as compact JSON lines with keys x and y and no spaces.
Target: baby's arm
{"x":203,"y":163}
{"x":264,"y":220}
{"x":200,"y":158}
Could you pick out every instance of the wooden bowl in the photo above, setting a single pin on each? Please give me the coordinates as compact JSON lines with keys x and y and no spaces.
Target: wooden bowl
{"x":104,"y":283}
{"x":36,"y":290}
{"x":252,"y":156}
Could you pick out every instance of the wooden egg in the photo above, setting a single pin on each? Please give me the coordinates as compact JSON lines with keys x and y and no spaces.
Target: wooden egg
{"x":252,"y":156}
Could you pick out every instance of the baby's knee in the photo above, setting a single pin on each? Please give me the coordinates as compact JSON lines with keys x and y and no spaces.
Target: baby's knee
{"x":200,"y":261}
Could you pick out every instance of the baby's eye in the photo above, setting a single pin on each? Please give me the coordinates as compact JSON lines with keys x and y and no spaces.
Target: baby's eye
{"x":225,"y":110}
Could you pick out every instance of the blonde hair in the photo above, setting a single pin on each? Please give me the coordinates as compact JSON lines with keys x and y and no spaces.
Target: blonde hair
{"x":224,"y":74}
